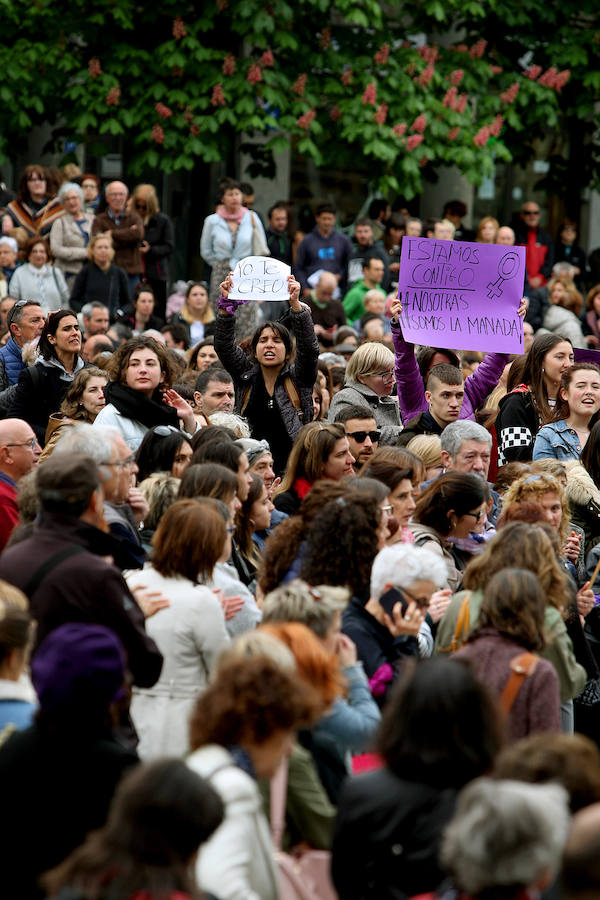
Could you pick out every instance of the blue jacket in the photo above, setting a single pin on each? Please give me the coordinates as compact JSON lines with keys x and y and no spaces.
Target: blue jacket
{"x":331,"y":253}
{"x":557,"y":441}
{"x":12,"y":360}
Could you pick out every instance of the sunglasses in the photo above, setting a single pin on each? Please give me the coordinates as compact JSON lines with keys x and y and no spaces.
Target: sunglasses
{"x":361,"y":436}
{"x":166,"y":430}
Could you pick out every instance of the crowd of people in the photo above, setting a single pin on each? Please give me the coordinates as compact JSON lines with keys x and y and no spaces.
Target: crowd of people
{"x":288,"y":606}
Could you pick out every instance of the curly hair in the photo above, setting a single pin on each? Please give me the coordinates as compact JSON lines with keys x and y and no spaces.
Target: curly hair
{"x":119,"y":361}
{"x":281,"y":547}
{"x":71,"y":405}
{"x":535,"y":487}
{"x":345,"y":561}
{"x":249,"y":701}
{"x":532,"y":547}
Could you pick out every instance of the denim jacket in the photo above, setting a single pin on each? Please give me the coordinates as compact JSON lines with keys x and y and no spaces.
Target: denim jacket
{"x":557,"y":441}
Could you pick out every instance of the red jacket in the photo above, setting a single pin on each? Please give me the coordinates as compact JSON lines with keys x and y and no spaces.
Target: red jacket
{"x":9,"y":514}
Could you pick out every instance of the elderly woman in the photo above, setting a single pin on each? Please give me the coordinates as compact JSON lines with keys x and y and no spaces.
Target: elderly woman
{"x":35,"y":208}
{"x":272,"y":393}
{"x":392,"y":626}
{"x":99,"y":280}
{"x":158,"y":243}
{"x":37,"y":279}
{"x":505,"y":840}
{"x":242,"y":727}
{"x":70,"y":235}
{"x":370,"y":382}
{"x":140,"y":395}
{"x":189,"y":631}
{"x":440,"y":729}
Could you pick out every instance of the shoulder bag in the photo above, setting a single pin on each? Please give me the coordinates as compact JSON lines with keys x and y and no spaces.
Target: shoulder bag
{"x":259,"y":245}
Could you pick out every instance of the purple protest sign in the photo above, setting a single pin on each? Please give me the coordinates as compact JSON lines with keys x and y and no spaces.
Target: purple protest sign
{"x":590,"y":356}
{"x":461,"y":295}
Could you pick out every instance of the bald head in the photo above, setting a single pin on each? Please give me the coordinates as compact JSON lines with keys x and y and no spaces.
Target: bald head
{"x":116,"y":195}
{"x":505,"y":236}
{"x":581,"y":858}
{"x":19,"y":449}
{"x":325,"y":288}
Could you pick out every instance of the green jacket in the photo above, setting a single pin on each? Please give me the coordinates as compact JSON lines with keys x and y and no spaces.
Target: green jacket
{"x":353,"y":301}
{"x":559,"y":649}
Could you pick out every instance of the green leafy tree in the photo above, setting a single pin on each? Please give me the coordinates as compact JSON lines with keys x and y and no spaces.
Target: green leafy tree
{"x":180,"y":82}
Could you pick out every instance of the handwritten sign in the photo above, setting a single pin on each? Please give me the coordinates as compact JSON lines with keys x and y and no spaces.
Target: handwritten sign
{"x":458,"y":294}
{"x":260,"y":278}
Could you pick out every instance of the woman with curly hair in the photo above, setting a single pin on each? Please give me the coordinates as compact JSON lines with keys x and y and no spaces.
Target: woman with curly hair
{"x":320,"y":451}
{"x":242,"y":726}
{"x":140,"y":393}
{"x":531,"y":545}
{"x":83,"y":401}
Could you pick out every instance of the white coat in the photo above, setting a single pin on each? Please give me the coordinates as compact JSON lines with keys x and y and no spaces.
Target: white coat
{"x":217,"y":242}
{"x":131,"y":431}
{"x":237,"y":862}
{"x":189,"y":634}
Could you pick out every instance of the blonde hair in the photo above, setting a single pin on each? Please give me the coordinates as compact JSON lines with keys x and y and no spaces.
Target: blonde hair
{"x":428,"y":447}
{"x":147,"y":193}
{"x":368,"y":359}
{"x":252,"y":644}
{"x":102,"y":235}
{"x":534,"y":487}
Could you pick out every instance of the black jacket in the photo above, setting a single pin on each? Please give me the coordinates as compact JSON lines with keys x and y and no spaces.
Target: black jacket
{"x":177,"y":319}
{"x":303,"y":372}
{"x":387,"y":837}
{"x":82,"y":588}
{"x":110,"y":288}
{"x":58,"y":787}
{"x":37,"y":396}
{"x":517,"y":424}
{"x":423,"y":423}
{"x":161,"y":237}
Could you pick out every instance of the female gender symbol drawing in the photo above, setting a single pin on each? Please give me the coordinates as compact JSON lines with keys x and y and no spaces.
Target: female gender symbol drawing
{"x":508,"y":267}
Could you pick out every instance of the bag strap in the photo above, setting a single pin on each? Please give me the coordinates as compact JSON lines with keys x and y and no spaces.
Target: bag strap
{"x":253,"y":221}
{"x":278,"y":803}
{"x":48,"y":565}
{"x":521,"y":666}
{"x":463,"y":624}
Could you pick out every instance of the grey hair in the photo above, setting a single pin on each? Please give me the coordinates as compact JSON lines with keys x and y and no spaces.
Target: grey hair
{"x":236,"y":423}
{"x":67,"y":188}
{"x":88,"y":308}
{"x":252,"y":644}
{"x":505,"y":833}
{"x":313,"y":607}
{"x":93,"y":440}
{"x":403,"y":564}
{"x":456,"y":433}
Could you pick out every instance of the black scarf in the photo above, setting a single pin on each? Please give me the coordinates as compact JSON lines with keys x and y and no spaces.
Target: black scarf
{"x":133,"y":405}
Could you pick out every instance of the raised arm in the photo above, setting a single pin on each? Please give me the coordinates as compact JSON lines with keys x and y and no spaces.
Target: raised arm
{"x":231,"y":354}
{"x":307,"y":347}
{"x":411,"y":391}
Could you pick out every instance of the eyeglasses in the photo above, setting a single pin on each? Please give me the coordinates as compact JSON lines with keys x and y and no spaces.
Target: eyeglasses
{"x":361,"y":436}
{"x":387,"y":509}
{"x":120,"y":464}
{"x":531,"y":212}
{"x":32,"y":444}
{"x":477,"y":516}
{"x":230,"y":529}
{"x":12,"y":311}
{"x":166,"y":430}
{"x":35,"y":178}
{"x":140,"y":206}
{"x":385,"y":376}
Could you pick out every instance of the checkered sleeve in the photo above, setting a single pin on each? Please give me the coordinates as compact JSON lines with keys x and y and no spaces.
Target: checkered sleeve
{"x":513,"y":443}
{"x":516,"y":428}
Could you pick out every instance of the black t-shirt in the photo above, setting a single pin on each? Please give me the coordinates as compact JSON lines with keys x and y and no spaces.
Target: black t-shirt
{"x":266,"y":423}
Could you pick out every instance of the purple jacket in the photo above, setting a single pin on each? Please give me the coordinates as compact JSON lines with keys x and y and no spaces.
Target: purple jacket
{"x":411,"y":391}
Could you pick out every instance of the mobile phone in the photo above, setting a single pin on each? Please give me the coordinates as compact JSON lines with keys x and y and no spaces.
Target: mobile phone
{"x":389,"y":599}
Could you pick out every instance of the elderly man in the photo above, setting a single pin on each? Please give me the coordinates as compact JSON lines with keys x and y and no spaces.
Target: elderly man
{"x":127,"y":231}
{"x":25,"y":322}
{"x":19,"y":453}
{"x":214,"y":392}
{"x":539,"y":246}
{"x":467,"y":447}
{"x":124,"y":506}
{"x":373,"y":274}
{"x":327,"y":314}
